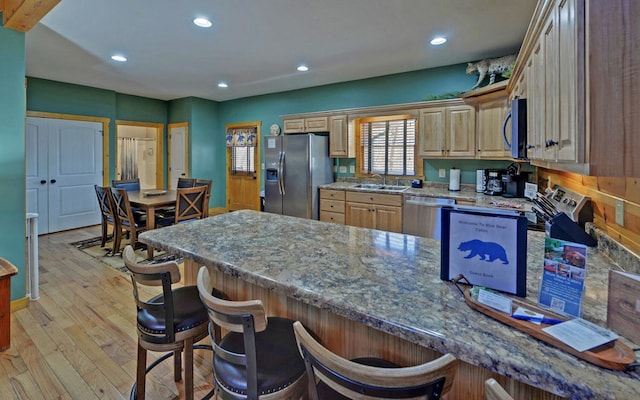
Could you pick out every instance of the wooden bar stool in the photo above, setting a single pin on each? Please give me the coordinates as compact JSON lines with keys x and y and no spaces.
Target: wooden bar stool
{"x":370,"y":378}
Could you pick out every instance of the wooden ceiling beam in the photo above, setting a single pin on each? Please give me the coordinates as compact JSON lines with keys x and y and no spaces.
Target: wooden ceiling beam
{"x":22,"y":15}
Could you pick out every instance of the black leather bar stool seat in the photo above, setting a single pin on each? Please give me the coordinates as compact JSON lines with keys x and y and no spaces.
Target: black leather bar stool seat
{"x":279,"y":363}
{"x":188,"y":313}
{"x":326,"y":393}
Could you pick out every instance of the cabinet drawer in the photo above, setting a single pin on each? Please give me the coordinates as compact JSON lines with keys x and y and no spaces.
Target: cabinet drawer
{"x":328,"y":216}
{"x":332,"y":194}
{"x":332,"y":205}
{"x":375,"y":198}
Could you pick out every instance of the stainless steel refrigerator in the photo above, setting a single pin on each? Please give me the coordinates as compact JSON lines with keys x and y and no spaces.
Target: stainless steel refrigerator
{"x":295,"y":166}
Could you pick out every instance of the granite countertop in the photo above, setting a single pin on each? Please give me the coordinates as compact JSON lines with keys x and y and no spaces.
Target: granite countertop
{"x":466,"y":193}
{"x":372,"y":276}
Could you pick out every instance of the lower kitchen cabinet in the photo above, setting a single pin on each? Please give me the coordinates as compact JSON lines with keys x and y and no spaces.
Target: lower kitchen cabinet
{"x":332,"y":206}
{"x":375,"y":211}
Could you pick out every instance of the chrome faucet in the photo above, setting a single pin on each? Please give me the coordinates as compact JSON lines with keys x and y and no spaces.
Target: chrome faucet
{"x":384,"y":179}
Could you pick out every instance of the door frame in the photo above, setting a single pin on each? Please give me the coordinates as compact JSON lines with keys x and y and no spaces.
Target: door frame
{"x":160,"y":172}
{"x":105,"y":134}
{"x":257,"y":161}
{"x":187,"y":170}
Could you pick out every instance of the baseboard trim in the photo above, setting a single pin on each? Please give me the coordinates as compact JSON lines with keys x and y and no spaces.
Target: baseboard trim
{"x":19,"y":304}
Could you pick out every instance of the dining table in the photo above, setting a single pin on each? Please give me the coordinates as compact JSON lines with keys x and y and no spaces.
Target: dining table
{"x":150,"y":201}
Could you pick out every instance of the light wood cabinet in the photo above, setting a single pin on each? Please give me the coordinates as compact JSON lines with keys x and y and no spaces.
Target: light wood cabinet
{"x":492,"y":107}
{"x":332,"y":205}
{"x":306,"y":125}
{"x":580,"y":86}
{"x":340,"y":141}
{"x":447,"y":131}
{"x":373,"y":210}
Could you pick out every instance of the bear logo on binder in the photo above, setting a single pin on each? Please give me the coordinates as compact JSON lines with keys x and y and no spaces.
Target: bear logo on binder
{"x":487,"y":251}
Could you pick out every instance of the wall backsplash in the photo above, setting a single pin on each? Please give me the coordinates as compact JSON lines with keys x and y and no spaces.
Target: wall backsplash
{"x":604,"y":193}
{"x":345,"y":166}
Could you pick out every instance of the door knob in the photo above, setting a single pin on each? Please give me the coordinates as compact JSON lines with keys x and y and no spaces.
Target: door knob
{"x":53,"y":181}
{"x":42,"y":182}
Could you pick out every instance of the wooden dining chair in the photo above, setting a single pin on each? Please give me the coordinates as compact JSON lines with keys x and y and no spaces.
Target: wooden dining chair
{"x":171,"y":321}
{"x":258,"y":357}
{"x":128,"y":184}
{"x":105,"y":201}
{"x":493,"y":391}
{"x":189,"y":206}
{"x":208,"y":183}
{"x":370,"y":378}
{"x":129,"y":221}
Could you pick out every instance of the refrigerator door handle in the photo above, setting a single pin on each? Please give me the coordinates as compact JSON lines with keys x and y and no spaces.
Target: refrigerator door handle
{"x":281,"y":174}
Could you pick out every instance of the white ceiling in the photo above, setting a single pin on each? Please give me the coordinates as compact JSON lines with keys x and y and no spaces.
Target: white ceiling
{"x":256,"y":45}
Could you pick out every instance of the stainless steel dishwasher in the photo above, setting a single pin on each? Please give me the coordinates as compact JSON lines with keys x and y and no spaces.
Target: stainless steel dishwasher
{"x":421,"y":215}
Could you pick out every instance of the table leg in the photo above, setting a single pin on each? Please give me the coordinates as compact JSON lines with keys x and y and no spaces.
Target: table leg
{"x":151,"y":224}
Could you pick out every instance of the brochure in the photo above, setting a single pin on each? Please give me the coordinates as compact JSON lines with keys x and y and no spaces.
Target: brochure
{"x":563,"y":274}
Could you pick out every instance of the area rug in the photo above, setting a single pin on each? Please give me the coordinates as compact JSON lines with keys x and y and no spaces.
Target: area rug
{"x":93,"y":248}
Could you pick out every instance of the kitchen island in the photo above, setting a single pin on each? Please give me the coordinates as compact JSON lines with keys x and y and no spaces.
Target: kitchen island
{"x":364,"y":291}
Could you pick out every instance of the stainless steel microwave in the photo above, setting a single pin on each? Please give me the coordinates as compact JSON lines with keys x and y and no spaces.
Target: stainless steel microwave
{"x":516,"y":140}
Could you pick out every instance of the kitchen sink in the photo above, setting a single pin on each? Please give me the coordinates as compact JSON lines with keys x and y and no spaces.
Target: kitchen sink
{"x":374,"y":186}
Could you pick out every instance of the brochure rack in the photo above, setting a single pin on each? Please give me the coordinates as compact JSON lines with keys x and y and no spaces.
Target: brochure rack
{"x":614,"y":355}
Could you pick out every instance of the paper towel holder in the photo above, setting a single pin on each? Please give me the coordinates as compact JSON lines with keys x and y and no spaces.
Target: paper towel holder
{"x":454,"y":179}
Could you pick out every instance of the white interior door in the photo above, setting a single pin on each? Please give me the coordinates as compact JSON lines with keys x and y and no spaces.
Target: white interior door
{"x":72,"y":153}
{"x":178,"y":145}
{"x":37,"y":171}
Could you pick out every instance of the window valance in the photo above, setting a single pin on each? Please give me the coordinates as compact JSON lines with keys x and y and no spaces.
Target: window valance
{"x":242,"y":137}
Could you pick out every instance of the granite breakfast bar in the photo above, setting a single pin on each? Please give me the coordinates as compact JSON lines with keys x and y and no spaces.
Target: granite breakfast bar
{"x":372,"y":292}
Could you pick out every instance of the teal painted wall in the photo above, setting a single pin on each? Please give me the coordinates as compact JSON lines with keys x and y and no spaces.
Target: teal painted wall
{"x":141,"y":109}
{"x":12,"y":155}
{"x":208,"y":148}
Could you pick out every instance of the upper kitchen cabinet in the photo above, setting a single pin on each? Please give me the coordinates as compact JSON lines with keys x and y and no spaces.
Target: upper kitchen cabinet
{"x":578,"y":69}
{"x":340,"y":139}
{"x":447,"y":129}
{"x":306,"y":125}
{"x":492,"y":106}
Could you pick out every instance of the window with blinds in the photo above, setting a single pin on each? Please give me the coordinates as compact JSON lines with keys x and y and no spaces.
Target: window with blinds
{"x":388,"y":145}
{"x":242,"y":160}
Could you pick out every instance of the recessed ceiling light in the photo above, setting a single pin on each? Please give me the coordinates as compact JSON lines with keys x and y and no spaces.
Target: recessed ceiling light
{"x":223,"y":85}
{"x":438,"y":40}
{"x":303,"y":68}
{"x":119,"y":57}
{"x":202,"y":22}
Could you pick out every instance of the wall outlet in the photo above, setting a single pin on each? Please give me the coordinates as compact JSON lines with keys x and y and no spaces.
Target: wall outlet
{"x":352,"y":169}
{"x":343,"y":169}
{"x":620,"y":212}
{"x":262,"y":166}
{"x":442,"y":173}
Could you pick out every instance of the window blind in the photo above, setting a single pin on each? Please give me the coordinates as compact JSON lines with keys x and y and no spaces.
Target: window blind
{"x":388,"y":147}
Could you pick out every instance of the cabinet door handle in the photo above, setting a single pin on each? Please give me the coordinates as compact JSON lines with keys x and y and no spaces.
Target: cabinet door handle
{"x":550,"y":143}
{"x":53,"y":181}
{"x":42,"y":182}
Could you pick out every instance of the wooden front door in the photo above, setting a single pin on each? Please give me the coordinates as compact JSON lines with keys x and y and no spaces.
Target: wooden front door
{"x":243,"y":173}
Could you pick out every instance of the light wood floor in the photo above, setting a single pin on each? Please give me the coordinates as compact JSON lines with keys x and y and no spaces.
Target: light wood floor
{"x":78,"y":341}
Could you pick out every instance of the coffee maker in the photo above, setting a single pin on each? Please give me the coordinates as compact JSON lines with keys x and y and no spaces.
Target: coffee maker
{"x":514,"y":181}
{"x":494,"y":182}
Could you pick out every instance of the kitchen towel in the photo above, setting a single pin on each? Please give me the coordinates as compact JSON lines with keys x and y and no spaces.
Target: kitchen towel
{"x":454,"y":179}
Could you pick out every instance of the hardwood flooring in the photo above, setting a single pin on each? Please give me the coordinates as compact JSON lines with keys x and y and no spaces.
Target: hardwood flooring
{"x":78,"y":341}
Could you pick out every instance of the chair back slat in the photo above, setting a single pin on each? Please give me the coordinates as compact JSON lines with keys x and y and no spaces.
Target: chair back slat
{"x":122,"y":207}
{"x":105,"y":201}
{"x":190,"y":203}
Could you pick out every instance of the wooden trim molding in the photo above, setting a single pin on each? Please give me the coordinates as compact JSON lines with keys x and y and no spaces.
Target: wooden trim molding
{"x":19,"y":304}
{"x":22,"y":15}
